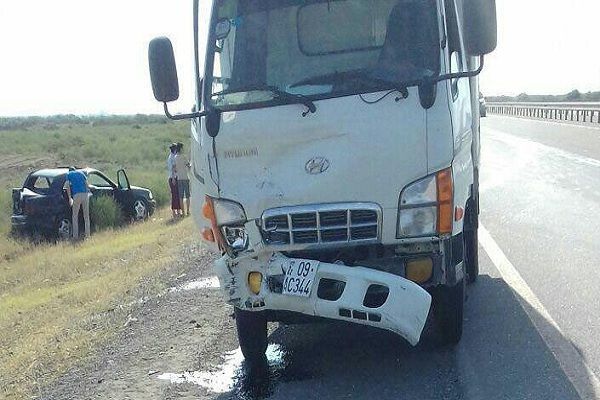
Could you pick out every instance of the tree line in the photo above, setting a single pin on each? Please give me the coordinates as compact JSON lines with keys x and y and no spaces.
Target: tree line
{"x":52,"y":122}
{"x":573,"y":96}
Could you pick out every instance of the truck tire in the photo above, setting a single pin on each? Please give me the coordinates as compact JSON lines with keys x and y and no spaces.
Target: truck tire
{"x":471,"y":254}
{"x":252,"y":335}
{"x":449,"y":304}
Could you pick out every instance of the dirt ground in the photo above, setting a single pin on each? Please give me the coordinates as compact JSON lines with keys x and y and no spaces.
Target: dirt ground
{"x":13,"y":165}
{"x":186,"y":328}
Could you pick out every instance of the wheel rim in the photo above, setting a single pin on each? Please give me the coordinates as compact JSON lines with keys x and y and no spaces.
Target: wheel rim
{"x":139,"y":208}
{"x":64,"y":229}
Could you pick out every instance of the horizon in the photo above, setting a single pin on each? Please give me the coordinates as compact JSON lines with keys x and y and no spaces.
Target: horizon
{"x":161,"y":114}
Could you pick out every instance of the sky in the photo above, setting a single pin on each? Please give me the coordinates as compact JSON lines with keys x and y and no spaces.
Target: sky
{"x":90,"y":57}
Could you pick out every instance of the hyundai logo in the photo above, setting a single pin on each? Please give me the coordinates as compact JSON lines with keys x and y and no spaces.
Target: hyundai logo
{"x":317,"y":165}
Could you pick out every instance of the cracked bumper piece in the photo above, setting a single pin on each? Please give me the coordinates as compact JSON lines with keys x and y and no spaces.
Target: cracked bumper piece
{"x":404,"y":310}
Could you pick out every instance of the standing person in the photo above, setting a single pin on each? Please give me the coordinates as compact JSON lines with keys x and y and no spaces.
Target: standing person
{"x":175,"y":203}
{"x":182,"y":166}
{"x":79,"y":198}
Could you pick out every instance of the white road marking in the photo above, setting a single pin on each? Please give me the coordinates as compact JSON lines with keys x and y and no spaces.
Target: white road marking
{"x":574,"y":124}
{"x":573,"y":364}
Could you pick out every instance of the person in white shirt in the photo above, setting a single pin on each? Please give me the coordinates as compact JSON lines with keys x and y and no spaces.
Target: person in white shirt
{"x":182,"y":166}
{"x":175,"y":203}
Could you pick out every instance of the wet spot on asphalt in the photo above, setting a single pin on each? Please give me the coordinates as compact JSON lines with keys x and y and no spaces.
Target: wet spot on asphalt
{"x":202,"y":283}
{"x":233,"y":373}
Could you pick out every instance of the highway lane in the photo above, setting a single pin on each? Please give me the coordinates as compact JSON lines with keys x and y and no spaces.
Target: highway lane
{"x":540,"y":202}
{"x":532,"y":340}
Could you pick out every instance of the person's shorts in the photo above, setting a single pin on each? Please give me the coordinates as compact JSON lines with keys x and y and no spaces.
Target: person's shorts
{"x":183,"y":187}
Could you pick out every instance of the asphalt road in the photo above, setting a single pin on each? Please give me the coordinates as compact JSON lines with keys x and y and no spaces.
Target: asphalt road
{"x":532,"y":320}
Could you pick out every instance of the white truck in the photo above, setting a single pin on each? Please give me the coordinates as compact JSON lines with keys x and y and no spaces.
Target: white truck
{"x":335,"y":158}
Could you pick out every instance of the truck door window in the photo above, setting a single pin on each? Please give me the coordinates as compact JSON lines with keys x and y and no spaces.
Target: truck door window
{"x":454,"y":44}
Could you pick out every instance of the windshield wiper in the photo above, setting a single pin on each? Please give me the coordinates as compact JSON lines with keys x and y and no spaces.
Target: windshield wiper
{"x":279,"y":94}
{"x":296,"y":98}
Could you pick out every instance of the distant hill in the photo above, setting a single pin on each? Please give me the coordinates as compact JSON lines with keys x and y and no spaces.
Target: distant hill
{"x":573,"y":96}
{"x":52,"y":122}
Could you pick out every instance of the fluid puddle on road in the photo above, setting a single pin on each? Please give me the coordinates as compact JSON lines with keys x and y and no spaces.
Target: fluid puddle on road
{"x":203,"y":283}
{"x":225,"y":377}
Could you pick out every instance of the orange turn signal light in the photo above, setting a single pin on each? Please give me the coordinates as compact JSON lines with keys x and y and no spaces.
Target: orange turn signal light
{"x":445,"y":194}
{"x":208,"y":235}
{"x":208,"y":212}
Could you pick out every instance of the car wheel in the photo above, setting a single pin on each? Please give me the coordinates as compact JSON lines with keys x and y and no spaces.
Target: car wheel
{"x":449,"y":304}
{"x":140,"y":210}
{"x":252,"y":335}
{"x":64,"y":228}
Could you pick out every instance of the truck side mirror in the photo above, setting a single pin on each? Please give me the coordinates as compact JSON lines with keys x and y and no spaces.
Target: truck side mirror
{"x":163,"y":71}
{"x":480,"y":26}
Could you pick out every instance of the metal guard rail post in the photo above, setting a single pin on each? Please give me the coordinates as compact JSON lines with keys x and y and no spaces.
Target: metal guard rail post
{"x":575,"y":112}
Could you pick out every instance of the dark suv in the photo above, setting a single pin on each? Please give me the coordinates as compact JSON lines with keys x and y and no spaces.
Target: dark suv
{"x":42,"y":206}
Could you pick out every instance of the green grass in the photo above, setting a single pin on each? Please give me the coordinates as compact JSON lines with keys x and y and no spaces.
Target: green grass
{"x":50,"y":295}
{"x":113,"y":145}
{"x":105,"y":213}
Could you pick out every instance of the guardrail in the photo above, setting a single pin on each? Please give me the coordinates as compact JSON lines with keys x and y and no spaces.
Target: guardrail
{"x":575,"y":112}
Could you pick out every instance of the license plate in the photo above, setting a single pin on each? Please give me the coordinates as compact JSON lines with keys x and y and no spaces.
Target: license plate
{"x":299,"y":276}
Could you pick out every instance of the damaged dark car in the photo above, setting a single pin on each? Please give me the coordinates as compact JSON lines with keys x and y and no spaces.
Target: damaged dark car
{"x":42,"y":207}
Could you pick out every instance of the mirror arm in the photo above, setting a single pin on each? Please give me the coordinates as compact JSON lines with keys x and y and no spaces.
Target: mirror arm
{"x":457,"y":75}
{"x":179,"y":117}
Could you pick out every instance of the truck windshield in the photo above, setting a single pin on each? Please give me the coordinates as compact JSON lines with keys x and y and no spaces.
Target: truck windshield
{"x":319,"y":49}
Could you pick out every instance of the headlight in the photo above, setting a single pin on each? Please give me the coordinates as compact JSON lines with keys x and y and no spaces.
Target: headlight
{"x":228,"y":212}
{"x":426,"y":206}
{"x":227,"y":220}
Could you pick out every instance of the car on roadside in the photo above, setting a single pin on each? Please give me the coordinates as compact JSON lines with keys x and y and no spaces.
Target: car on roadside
{"x":41,"y":206}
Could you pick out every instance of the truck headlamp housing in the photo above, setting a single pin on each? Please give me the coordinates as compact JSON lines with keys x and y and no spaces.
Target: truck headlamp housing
{"x":227,"y":220}
{"x":426,"y":206}
{"x":229,"y":212}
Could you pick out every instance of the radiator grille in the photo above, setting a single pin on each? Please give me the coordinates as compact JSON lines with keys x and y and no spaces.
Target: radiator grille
{"x":322,"y":224}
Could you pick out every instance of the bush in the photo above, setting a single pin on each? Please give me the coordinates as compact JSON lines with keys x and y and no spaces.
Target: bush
{"x":160,"y":189}
{"x":105,"y":213}
{"x":5,"y":210}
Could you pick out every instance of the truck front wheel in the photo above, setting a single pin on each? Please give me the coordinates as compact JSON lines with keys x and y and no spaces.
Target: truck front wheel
{"x":252,"y":334}
{"x":471,"y":255}
{"x":471,"y":245}
{"x":449,"y":303}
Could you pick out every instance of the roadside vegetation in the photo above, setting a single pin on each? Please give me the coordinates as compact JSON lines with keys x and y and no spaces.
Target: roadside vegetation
{"x":573,"y":96}
{"x":58,"y":301}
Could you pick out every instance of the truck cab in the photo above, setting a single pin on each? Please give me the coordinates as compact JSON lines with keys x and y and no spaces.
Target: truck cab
{"x":335,"y":158}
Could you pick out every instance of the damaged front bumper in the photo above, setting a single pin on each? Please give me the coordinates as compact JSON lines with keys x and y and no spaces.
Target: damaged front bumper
{"x":403,"y":310}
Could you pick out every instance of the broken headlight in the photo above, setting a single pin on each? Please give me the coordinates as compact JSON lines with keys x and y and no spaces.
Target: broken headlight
{"x":236,"y":237}
{"x":426,"y":206}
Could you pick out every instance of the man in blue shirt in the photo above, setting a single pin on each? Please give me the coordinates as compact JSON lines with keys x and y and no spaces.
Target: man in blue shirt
{"x":79,"y":198}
